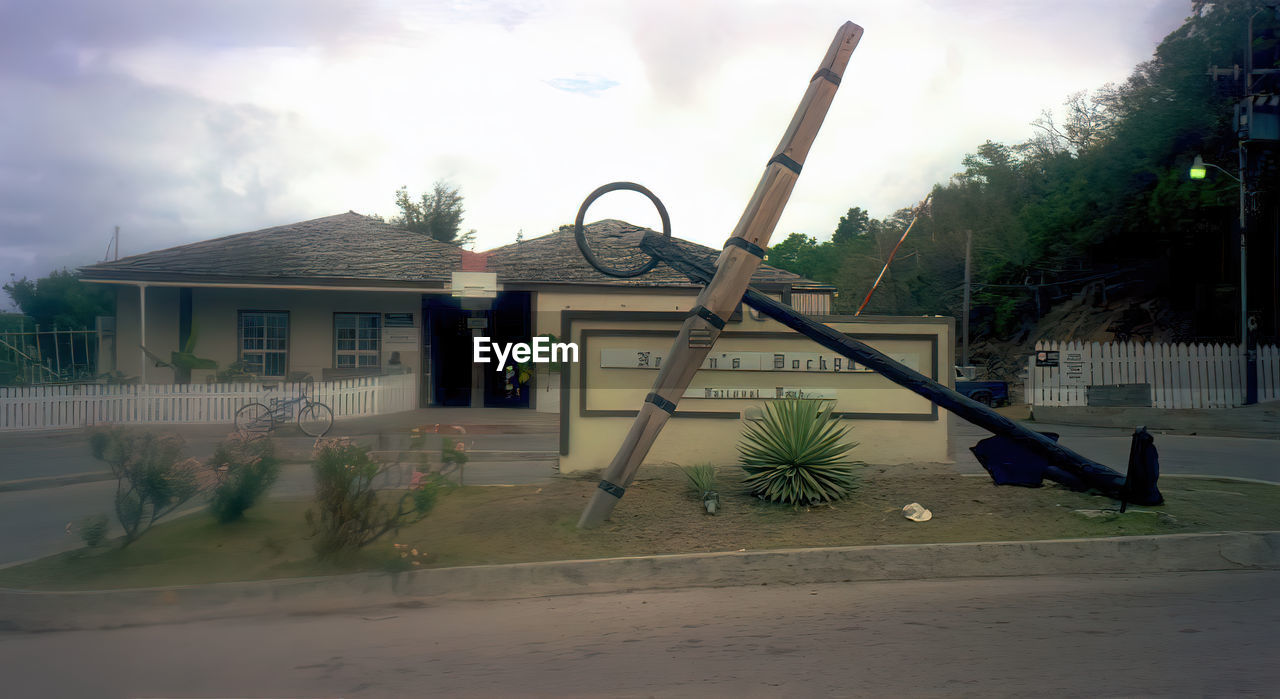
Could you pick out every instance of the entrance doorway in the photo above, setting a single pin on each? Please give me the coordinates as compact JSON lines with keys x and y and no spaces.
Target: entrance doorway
{"x":455,"y":380}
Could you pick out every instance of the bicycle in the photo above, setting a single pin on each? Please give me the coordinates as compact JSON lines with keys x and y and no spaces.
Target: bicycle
{"x":314,"y":418}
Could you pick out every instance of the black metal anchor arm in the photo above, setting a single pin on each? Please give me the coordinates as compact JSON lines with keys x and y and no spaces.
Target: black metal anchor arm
{"x":1092,"y":473}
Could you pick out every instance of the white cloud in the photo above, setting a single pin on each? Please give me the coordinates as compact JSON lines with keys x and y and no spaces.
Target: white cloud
{"x":528,"y":107}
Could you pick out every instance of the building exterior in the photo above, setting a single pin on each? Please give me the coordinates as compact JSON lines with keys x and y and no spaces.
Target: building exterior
{"x":349,"y":295}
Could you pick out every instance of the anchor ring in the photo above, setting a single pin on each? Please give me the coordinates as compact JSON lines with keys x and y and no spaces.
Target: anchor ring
{"x":580,"y":234}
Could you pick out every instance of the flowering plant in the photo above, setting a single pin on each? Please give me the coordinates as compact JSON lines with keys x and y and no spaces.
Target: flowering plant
{"x":244,"y":470}
{"x":350,"y":513}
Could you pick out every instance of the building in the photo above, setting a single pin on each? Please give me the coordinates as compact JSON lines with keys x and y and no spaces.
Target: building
{"x":349,"y":295}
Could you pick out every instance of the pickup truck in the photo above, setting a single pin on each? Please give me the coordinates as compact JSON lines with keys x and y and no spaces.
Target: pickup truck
{"x":990,"y":393}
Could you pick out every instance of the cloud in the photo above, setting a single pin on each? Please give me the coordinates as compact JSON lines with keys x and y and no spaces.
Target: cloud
{"x":182,"y":121}
{"x":165,"y":166}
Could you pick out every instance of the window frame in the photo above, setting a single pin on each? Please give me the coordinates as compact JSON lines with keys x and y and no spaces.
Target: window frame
{"x":357,"y":353}
{"x":241,"y":352}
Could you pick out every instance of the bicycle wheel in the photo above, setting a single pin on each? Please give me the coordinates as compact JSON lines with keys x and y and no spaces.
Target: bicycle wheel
{"x":254,"y":420}
{"x":315,"y":419}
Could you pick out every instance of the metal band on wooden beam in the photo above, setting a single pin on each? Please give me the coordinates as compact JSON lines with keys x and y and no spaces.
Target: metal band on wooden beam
{"x":786,"y":162}
{"x":705,"y":313}
{"x":662,"y":403}
{"x":828,"y":75}
{"x":747,"y":245}
{"x":613,"y":489}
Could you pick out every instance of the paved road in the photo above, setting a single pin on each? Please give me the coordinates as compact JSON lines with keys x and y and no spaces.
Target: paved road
{"x":1222,"y":456}
{"x":1197,"y":634}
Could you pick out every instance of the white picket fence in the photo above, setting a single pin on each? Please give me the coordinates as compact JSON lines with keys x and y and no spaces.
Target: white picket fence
{"x":1180,"y":375}
{"x":80,"y":405}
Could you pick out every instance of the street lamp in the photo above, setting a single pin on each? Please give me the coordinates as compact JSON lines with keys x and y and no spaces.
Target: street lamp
{"x":1197,"y":172}
{"x":1198,"y":169}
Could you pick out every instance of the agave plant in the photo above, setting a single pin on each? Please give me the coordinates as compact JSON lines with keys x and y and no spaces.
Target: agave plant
{"x":702,"y":483}
{"x":795,"y":454}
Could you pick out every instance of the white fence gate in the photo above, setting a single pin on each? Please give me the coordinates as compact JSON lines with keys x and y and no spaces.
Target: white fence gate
{"x":1180,"y":375}
{"x":80,"y":405}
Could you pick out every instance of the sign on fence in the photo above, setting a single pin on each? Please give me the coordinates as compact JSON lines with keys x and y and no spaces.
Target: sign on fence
{"x":1047,"y":358}
{"x":1178,"y":375}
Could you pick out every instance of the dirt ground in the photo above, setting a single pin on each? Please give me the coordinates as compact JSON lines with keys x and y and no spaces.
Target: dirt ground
{"x":659,"y":515}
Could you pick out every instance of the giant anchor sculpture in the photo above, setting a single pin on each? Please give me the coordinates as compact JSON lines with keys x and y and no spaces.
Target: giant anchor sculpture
{"x":727,"y":285}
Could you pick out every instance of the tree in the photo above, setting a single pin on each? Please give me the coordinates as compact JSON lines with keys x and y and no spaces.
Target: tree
{"x":852,"y":225}
{"x":1088,"y":120}
{"x":438,"y":214}
{"x":61,"y":300}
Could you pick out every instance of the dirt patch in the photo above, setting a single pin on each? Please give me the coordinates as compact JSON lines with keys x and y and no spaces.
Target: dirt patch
{"x":658,"y":515}
{"x":515,"y":524}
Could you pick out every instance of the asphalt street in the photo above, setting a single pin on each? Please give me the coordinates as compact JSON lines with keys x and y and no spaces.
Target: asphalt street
{"x":1218,"y":456}
{"x":1188,"y":634}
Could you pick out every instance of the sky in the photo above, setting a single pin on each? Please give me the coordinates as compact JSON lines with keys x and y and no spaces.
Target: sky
{"x":183,"y":121}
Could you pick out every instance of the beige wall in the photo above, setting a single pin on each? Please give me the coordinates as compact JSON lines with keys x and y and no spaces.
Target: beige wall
{"x":883,"y":423}
{"x":215,"y":315}
{"x":548,"y":304}
{"x":891,"y":424}
{"x":162,"y":331}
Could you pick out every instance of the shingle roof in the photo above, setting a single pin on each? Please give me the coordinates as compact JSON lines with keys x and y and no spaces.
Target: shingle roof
{"x":342,"y":248}
{"x":555,"y":258}
{"x":351,"y":248}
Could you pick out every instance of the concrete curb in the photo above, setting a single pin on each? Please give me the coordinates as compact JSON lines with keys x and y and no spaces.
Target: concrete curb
{"x":22,"y":610}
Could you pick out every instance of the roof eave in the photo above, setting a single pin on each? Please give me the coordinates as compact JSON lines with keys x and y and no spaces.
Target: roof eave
{"x":92,"y":275}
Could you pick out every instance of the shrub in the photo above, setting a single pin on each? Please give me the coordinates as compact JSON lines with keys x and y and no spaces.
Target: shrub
{"x":92,"y":530}
{"x":246,"y":469}
{"x":702,"y":484}
{"x":794,"y":454}
{"x":701,"y":478}
{"x":349,"y":512}
{"x":453,"y":452}
{"x":152,"y":478}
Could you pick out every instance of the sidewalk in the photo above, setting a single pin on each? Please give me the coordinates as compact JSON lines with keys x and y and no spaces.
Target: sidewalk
{"x":1261,"y":421}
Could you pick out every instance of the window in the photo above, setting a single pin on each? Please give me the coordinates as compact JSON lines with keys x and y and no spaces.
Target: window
{"x":264,"y":342}
{"x":355,"y":340}
{"x":811,"y":303}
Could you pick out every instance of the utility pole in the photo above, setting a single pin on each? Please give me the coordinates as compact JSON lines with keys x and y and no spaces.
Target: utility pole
{"x":964,"y":321}
{"x":1253,"y":123}
{"x":1248,"y":129}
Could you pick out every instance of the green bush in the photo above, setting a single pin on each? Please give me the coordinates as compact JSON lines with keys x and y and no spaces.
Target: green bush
{"x":92,"y":530}
{"x":794,"y":454}
{"x":152,"y":478}
{"x":702,"y":485}
{"x":453,"y":452}
{"x":246,"y":469}
{"x":349,"y":512}
{"x":701,"y":478}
